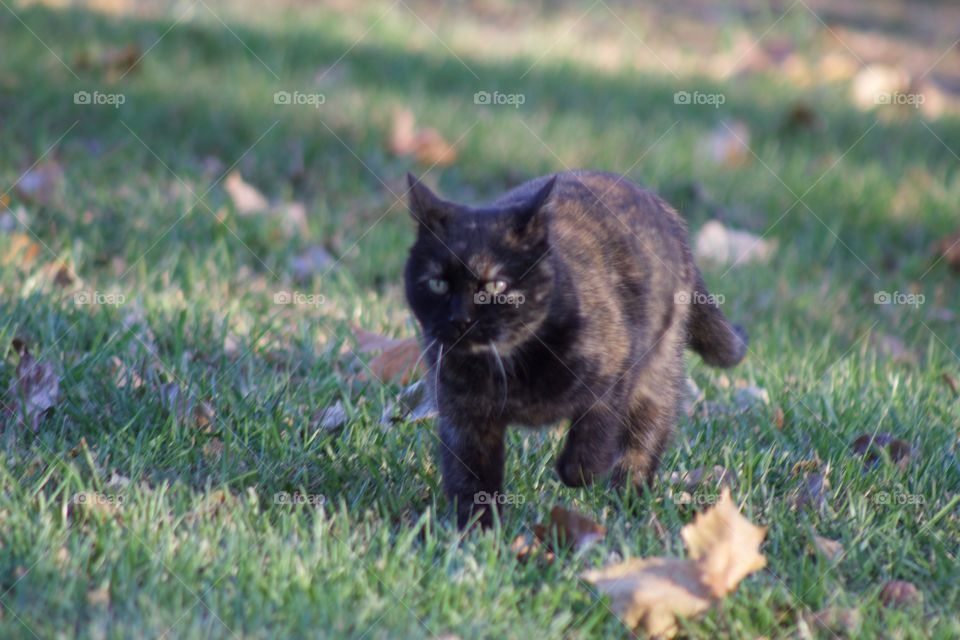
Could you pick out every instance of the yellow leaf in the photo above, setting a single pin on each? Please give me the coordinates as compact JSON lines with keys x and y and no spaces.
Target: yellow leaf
{"x":651,"y":592}
{"x":725,"y":544}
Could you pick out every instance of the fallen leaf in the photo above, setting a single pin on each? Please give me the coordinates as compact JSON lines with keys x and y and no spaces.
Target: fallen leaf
{"x":728,"y":144}
{"x":573,"y":530}
{"x":213,"y":448}
{"x":870,"y":447}
{"x":834,"y":620}
{"x":35,"y":389}
{"x":778,"y":418}
{"x":182,"y":405}
{"x":524,"y":547}
{"x":874,"y":85}
{"x":900,"y":593}
{"x":99,"y":597}
{"x":415,"y":404}
{"x":725,"y":544}
{"x":426,"y":146}
{"x":948,"y":249}
{"x":330,"y":419}
{"x":124,"y":376}
{"x":717,"y":244}
{"x":951,"y":382}
{"x":245,"y":197}
{"x":811,"y":492}
{"x":716,"y":476}
{"x":113,"y":60}
{"x":749,"y":396}
{"x":398,"y":358}
{"x":22,"y":252}
{"x":831,"y":549}
{"x":39,"y":184}
{"x":314,"y":261}
{"x":801,"y":117}
{"x":895,"y":348}
{"x":652,"y":592}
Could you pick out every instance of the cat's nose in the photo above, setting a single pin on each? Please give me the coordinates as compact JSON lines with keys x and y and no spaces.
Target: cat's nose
{"x":461,"y":323}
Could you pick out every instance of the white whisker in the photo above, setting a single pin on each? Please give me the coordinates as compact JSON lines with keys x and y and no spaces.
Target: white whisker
{"x":436,"y":378}
{"x":503,"y":374}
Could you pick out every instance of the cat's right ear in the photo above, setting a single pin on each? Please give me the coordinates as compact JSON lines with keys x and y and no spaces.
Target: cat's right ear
{"x":426,"y":208}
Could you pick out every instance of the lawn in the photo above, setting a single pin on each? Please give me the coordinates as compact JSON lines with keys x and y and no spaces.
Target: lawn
{"x":188,"y":392}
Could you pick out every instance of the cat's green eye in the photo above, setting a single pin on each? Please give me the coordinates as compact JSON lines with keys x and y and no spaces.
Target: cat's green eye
{"x":438,"y":286}
{"x":495,"y":287}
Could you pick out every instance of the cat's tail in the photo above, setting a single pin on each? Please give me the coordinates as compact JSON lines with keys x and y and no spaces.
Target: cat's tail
{"x":719,"y":342}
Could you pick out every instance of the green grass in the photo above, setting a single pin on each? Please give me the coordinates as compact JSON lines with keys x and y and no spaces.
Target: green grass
{"x":200,"y":547}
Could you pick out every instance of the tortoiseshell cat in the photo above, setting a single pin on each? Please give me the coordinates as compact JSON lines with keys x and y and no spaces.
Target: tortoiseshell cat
{"x":569,"y":297}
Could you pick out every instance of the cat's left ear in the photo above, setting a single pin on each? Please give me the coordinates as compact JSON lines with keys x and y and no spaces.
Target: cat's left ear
{"x":425,"y":206}
{"x":530,"y":221}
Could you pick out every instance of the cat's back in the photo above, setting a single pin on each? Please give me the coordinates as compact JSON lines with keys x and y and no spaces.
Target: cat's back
{"x":606,"y":213}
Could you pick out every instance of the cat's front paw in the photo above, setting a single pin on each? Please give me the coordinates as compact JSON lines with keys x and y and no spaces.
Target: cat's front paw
{"x":574,"y":473}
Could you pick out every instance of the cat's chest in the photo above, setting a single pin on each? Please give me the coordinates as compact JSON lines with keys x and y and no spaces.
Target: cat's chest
{"x":519,"y":393}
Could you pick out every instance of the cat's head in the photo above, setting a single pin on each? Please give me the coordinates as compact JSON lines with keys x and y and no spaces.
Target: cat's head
{"x":479,"y":276}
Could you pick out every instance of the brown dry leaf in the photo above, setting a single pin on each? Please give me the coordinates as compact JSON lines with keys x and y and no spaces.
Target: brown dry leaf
{"x":398,"y":359}
{"x":948,"y":249}
{"x":181,"y":405}
{"x":99,"y":597}
{"x":524,"y":547}
{"x":951,"y":382}
{"x":725,"y":544}
{"x":728,"y":144}
{"x":245,"y":197}
{"x":426,"y":146}
{"x":113,"y":60}
{"x":778,"y":418}
{"x":831,"y":549}
{"x":23,"y":251}
{"x":835,"y":620}
{"x":314,"y":261}
{"x":124,"y":376}
{"x":870,"y":447}
{"x":329,"y":419}
{"x":812,"y":492}
{"x":34,"y":391}
{"x":213,"y":449}
{"x":900,"y":593}
{"x":718,"y":244}
{"x":39,"y":184}
{"x":413,"y":404}
{"x":652,"y":592}
{"x":573,"y":530}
